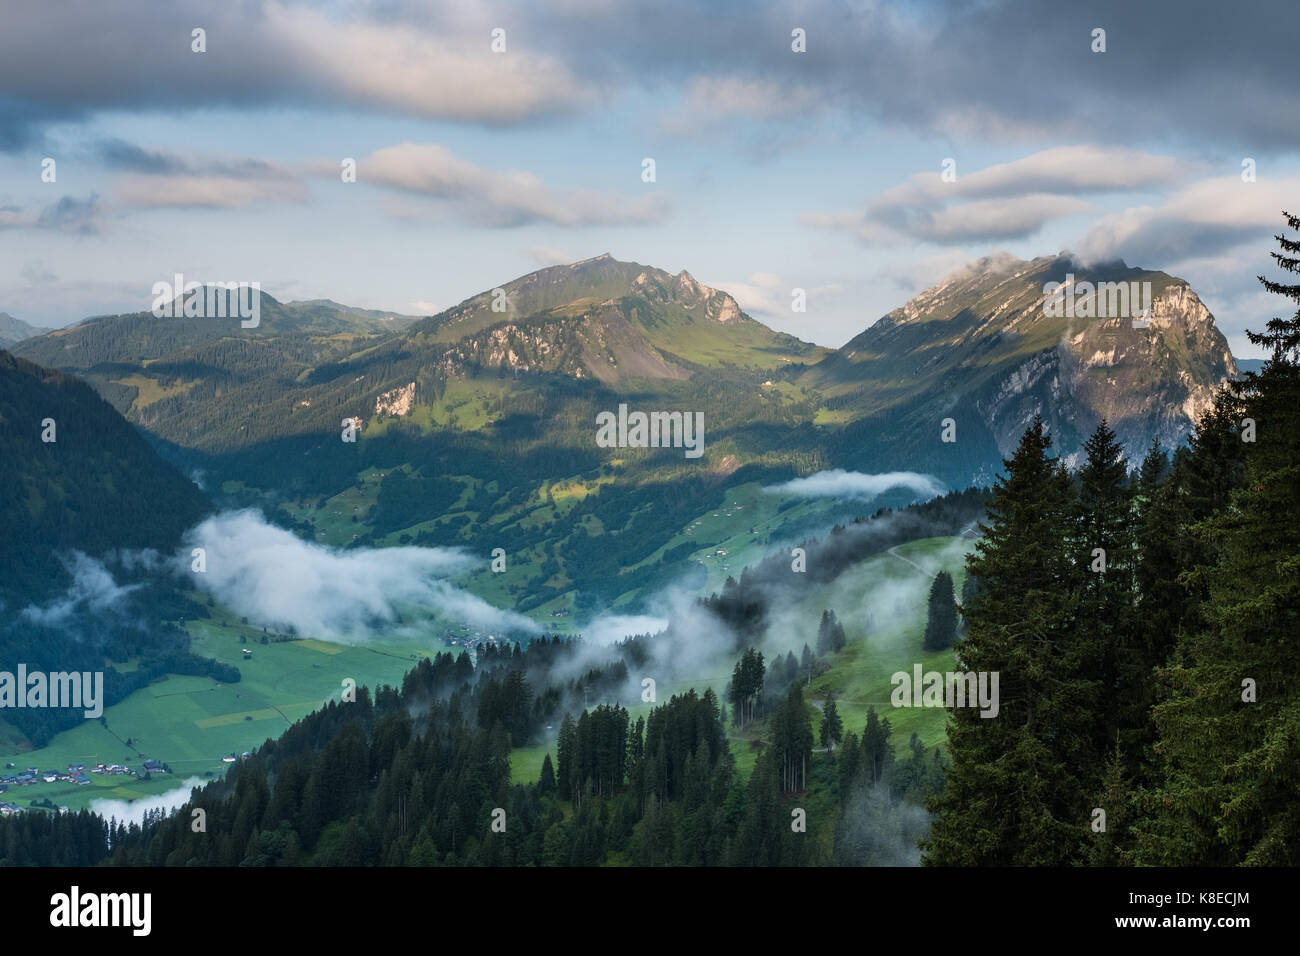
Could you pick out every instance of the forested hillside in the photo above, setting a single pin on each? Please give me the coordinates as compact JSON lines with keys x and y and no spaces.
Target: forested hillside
{"x":75,"y":476}
{"x":421,"y":776}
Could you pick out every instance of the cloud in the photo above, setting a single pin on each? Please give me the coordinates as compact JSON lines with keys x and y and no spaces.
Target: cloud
{"x":278,"y":580}
{"x":134,"y":811}
{"x":13,"y":216}
{"x":37,"y":272}
{"x":207,"y":191}
{"x":1202,"y":220}
{"x":997,"y":69}
{"x":93,"y":590}
{"x":838,"y":483}
{"x":117,"y":153}
{"x":136,"y":56}
{"x":713,"y":100}
{"x":689,"y":643}
{"x":610,"y":628}
{"x":768,"y":294}
{"x":548,"y":256}
{"x":160,"y":179}
{"x":990,"y":219}
{"x":499,"y":198}
{"x":748,"y":96}
{"x":920,"y":274}
{"x":80,"y":216}
{"x":1062,"y":169}
{"x":1012,"y":200}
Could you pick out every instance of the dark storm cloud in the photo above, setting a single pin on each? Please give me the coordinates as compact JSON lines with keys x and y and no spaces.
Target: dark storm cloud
{"x":1190,"y":73}
{"x":989,"y":70}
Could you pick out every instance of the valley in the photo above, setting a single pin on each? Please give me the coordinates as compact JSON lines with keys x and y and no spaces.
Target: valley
{"x":192,"y":723}
{"x":503,"y":449}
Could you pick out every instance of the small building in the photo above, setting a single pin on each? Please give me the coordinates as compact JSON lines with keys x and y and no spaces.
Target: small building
{"x":152,"y":765}
{"x":81,"y":779}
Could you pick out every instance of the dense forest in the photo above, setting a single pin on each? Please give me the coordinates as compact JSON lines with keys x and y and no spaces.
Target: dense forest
{"x":421,"y":776}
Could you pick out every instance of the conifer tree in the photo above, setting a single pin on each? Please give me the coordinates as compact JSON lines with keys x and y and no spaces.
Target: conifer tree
{"x":832,"y":729}
{"x":941,"y":619}
{"x":830,"y":634}
{"x":850,"y":761}
{"x":546,"y":784}
{"x":566,"y":754}
{"x":877,"y":751}
{"x":1105,"y":553}
{"x":1230,"y":729}
{"x":1021,"y":783}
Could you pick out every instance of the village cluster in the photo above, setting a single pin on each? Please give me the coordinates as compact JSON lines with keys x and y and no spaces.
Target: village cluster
{"x":76,"y":773}
{"x":470,"y":638}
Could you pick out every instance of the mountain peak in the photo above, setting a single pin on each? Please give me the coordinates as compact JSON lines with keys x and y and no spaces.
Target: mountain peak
{"x":13,"y":330}
{"x":603,"y":257}
{"x":685,"y":284}
{"x":1146,"y":355}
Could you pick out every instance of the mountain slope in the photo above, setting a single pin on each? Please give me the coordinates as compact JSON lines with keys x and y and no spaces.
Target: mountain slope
{"x":14,"y":330}
{"x":566,"y":342}
{"x":674,"y":314}
{"x":982,"y":347}
{"x":138,"y":360}
{"x":207,"y":384}
{"x":97,"y":486}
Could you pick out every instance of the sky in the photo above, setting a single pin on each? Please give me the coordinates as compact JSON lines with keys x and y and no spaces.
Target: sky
{"x":1176,"y":147}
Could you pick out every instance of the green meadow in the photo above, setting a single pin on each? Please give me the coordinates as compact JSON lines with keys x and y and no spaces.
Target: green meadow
{"x":190,"y":723}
